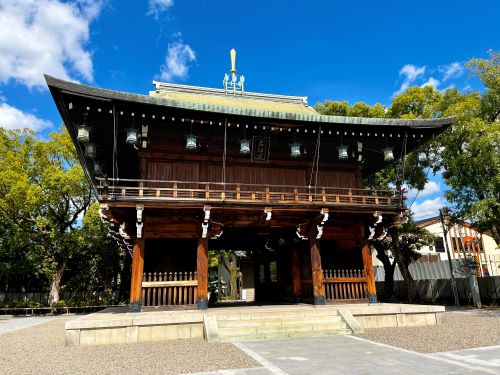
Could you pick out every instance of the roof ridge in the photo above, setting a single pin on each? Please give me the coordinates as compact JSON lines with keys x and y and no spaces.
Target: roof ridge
{"x":161,"y":86}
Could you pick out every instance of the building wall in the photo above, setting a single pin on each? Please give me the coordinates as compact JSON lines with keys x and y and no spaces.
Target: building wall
{"x":490,"y":257}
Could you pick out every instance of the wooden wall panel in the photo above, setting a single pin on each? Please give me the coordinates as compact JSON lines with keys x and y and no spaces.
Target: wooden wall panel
{"x":341,"y":179}
{"x":173,"y":171}
{"x":258,"y":174}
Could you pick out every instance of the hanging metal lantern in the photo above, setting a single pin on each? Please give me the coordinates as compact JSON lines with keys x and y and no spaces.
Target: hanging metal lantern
{"x":90,"y":150}
{"x":388,"y":154}
{"x":343,"y":155}
{"x":131,"y":136}
{"x":422,"y":156}
{"x":295,"y":150}
{"x":83,"y":133}
{"x":191,"y":142}
{"x":244,"y":146}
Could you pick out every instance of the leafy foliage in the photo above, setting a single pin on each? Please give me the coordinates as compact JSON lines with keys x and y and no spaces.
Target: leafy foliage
{"x":43,"y":200}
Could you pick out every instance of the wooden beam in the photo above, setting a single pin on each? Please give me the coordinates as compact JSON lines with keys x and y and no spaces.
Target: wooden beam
{"x":136,"y":279}
{"x":202,"y":271}
{"x":317,"y":271}
{"x":370,"y":275}
{"x":296,"y":277}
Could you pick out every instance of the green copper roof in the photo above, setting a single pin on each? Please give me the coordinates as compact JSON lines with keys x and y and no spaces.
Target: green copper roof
{"x":262,"y":112}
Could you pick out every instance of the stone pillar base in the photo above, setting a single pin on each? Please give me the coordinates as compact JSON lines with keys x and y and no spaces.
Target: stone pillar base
{"x":372,"y":298}
{"x":202,"y":304}
{"x":319,"y":300}
{"x":297,"y":300}
{"x":135,"y":307}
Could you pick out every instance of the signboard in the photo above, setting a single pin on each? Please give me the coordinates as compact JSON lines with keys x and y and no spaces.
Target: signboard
{"x":260,"y":149}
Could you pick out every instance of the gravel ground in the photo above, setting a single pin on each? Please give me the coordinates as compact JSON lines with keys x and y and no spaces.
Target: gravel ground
{"x":458,"y":331}
{"x":41,"y":350}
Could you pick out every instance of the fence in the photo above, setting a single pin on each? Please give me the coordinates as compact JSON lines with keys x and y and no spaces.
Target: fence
{"x":340,"y":285}
{"x":42,"y":296}
{"x":169,"y":288}
{"x":345,"y":284}
{"x":435,"y":270}
{"x":440,"y":289}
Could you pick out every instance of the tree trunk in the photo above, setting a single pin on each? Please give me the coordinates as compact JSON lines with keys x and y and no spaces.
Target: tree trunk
{"x":55,"y":284}
{"x":411,"y":290}
{"x":388,"y":275}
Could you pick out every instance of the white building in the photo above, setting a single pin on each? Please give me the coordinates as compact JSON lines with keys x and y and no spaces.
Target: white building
{"x":463,"y":241}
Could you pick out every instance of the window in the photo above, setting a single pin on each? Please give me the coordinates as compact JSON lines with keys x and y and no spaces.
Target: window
{"x":439,"y":245}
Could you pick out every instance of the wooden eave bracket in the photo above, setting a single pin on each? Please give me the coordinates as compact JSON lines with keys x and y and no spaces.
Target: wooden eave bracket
{"x":324,"y":219}
{"x":373,"y":229}
{"x":269,"y":212}
{"x":204,"y":225}
{"x":139,"y":225}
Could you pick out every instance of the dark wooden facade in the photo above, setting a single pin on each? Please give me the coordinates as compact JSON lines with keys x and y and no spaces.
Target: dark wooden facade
{"x":309,"y":217}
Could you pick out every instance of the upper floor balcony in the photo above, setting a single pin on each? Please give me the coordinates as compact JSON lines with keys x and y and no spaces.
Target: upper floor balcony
{"x":184,"y":192}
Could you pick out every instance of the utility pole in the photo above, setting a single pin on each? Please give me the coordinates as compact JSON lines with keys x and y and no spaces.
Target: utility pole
{"x":453,"y":283}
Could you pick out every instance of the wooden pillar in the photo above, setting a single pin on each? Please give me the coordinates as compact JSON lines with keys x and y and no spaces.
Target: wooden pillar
{"x":317,"y":271}
{"x":296,"y":278}
{"x":202,"y":271}
{"x":136,"y":279}
{"x":370,"y":275}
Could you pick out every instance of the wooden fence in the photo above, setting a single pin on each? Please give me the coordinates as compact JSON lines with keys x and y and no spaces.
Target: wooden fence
{"x":345,"y":284}
{"x":169,"y":288}
{"x":340,"y":285}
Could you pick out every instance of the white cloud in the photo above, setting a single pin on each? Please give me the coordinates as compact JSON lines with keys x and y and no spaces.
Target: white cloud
{"x":453,"y":70}
{"x":13,"y":118}
{"x":157,"y":6}
{"x":410,"y":73}
{"x":428,"y":208}
{"x":431,"y":82}
{"x":45,"y":36}
{"x":430,"y":187}
{"x":176,"y":65}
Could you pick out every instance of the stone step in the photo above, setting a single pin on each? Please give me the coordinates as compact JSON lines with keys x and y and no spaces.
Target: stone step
{"x":283,"y":335}
{"x":279,"y":321}
{"x":245,"y":330}
{"x":280,"y":314}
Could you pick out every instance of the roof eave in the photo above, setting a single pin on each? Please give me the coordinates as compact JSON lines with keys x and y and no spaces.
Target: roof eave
{"x":109,"y":95}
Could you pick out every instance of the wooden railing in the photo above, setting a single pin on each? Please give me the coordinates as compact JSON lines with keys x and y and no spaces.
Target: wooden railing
{"x":242,"y":193}
{"x":345,"y":284}
{"x":169,"y":288}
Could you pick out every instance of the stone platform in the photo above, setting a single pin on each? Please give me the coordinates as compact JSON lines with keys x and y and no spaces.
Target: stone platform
{"x":116,"y":326}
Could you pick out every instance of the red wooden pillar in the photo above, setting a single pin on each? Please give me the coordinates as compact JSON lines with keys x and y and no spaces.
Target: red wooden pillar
{"x":202,"y":271}
{"x":370,"y":275}
{"x":317,"y":271}
{"x":136,"y":279}
{"x":296,"y":279}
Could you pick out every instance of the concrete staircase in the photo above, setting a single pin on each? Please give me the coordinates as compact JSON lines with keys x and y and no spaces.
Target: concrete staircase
{"x":279,"y":324}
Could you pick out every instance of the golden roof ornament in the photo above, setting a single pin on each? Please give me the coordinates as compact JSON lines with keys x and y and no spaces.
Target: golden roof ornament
{"x":233,"y":61}
{"x":231,"y":84}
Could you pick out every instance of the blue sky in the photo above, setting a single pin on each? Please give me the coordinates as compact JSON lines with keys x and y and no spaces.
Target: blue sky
{"x":355,"y":51}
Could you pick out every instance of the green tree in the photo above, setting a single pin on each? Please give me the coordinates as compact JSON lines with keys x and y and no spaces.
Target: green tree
{"x":416,"y":102}
{"x":43,"y":194}
{"x":469,"y":154}
{"x":402,"y":246}
{"x":229,"y":260}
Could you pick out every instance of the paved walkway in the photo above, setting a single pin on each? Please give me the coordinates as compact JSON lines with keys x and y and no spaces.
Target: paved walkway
{"x":352,"y":355}
{"x":16,"y":323}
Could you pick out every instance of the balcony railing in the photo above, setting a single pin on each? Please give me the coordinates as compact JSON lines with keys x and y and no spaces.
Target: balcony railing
{"x":213,"y":192}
